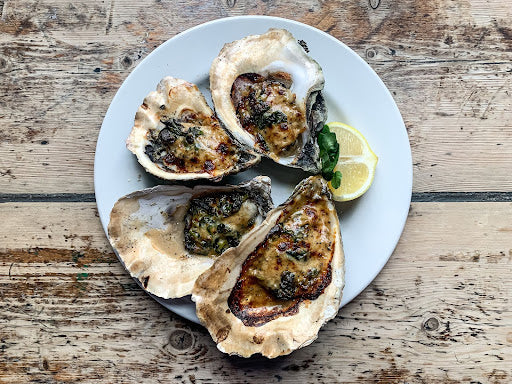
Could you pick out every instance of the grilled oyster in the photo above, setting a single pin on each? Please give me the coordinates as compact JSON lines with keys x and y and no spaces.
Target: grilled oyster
{"x":273,"y":292}
{"x":267,"y":93}
{"x":176,"y":136}
{"x":168,"y":235}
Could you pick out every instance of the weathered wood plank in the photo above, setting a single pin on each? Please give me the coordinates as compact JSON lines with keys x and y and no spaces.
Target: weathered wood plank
{"x":448,"y":65}
{"x":439,"y":311}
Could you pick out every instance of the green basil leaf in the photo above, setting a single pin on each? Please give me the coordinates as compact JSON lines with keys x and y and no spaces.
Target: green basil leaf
{"x":327,"y":175}
{"x":336,"y":180}
{"x":329,"y":151}
{"x":324,"y":157}
{"x":327,"y":140}
{"x":328,"y":167}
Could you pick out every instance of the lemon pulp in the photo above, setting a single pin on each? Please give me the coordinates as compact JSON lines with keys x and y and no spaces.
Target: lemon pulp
{"x":356,"y":162}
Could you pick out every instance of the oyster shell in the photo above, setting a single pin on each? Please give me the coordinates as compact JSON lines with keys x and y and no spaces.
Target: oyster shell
{"x":273,"y":292}
{"x":176,"y":136}
{"x":168,"y":235}
{"x":267,"y":92}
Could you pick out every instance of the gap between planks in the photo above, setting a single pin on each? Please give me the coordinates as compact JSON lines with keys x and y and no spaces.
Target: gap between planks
{"x":417,"y":197}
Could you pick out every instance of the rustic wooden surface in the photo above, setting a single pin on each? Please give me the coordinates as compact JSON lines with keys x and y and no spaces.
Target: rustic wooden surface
{"x":438,"y":313}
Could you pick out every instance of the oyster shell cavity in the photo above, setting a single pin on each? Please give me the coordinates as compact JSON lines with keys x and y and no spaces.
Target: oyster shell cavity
{"x":306,"y":75}
{"x":278,"y":58}
{"x":176,"y":136}
{"x":273,"y":292}
{"x":151,"y":230}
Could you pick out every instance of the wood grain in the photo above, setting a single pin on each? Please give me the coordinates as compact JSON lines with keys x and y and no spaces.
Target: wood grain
{"x":438,"y":313}
{"x":447,"y":63}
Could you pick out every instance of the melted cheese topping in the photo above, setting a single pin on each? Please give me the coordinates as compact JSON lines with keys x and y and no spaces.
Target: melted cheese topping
{"x":266,"y":108}
{"x":191,"y":143}
{"x":292,"y":264}
{"x":216,"y":222}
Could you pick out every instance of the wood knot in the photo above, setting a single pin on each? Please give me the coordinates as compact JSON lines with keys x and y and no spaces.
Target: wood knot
{"x":371,"y":53}
{"x":126,"y":62}
{"x":431,"y":324}
{"x":4,"y":65}
{"x":181,"y":339}
{"x":231,"y":3}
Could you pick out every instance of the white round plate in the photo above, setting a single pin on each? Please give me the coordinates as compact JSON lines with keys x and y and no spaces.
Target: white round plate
{"x":370,"y":226}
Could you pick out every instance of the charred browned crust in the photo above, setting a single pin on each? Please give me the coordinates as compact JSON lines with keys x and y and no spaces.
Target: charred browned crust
{"x":256,"y":303}
{"x":174,"y":148}
{"x":252,"y":317}
{"x":265,"y":314}
{"x":270,"y":333}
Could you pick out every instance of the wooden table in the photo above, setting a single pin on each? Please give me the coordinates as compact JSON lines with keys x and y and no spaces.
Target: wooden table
{"x":438,"y":313}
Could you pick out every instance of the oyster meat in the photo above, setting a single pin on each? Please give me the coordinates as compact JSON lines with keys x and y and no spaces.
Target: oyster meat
{"x":176,"y":136}
{"x":267,"y":92}
{"x":273,"y":292}
{"x":168,"y":235}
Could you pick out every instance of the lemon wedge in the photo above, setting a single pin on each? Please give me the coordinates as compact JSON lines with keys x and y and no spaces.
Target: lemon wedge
{"x":356,"y":162}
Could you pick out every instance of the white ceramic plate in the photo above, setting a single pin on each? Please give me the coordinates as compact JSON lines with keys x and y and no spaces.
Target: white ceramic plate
{"x":370,"y":226}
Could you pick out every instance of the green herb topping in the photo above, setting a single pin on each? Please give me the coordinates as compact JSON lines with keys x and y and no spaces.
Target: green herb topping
{"x":214,"y":223}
